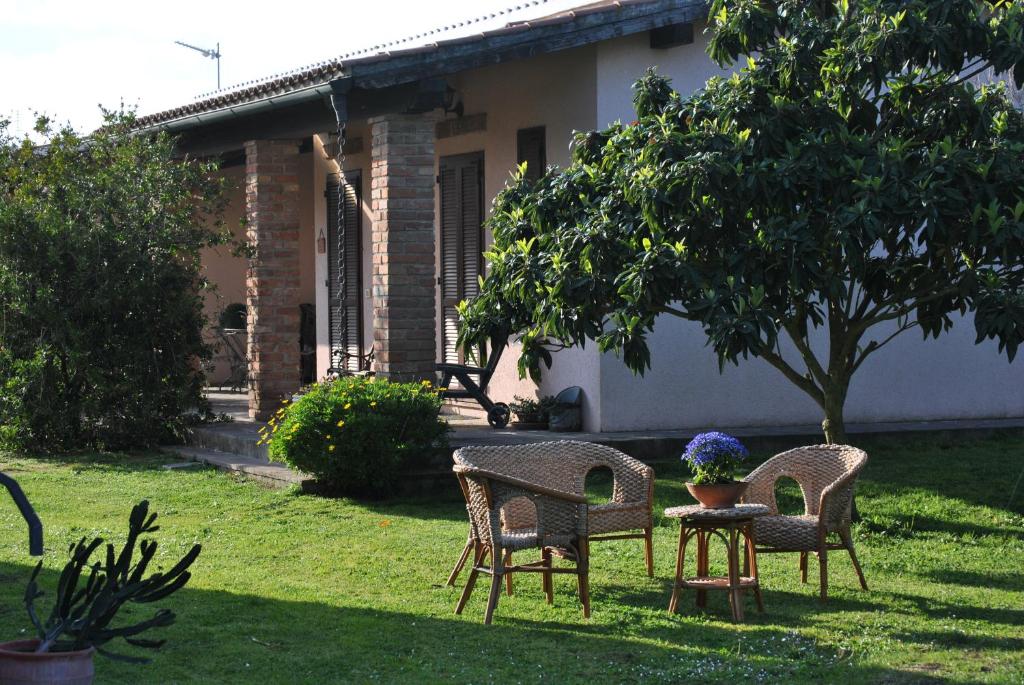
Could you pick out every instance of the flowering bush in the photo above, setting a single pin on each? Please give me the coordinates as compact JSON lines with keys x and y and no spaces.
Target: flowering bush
{"x":713,"y":457}
{"x":355,"y":435}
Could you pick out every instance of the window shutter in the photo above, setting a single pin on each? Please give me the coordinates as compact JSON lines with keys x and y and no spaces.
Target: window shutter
{"x":461,"y":192}
{"x":530,"y":148}
{"x":349,"y":338}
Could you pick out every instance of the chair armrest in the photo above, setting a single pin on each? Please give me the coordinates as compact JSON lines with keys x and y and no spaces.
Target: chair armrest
{"x":836,"y":500}
{"x":523,"y":484}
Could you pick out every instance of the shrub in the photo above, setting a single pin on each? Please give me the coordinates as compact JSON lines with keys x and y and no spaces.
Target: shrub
{"x":101,"y":311}
{"x":355,"y":435}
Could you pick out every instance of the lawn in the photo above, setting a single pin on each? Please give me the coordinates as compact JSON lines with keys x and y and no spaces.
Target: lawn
{"x":300,"y":589}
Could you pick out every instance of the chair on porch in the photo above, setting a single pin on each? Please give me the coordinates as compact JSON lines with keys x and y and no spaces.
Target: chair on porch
{"x":498,"y":413}
{"x":564,"y":466}
{"x":560,"y":527}
{"x":826,"y":475}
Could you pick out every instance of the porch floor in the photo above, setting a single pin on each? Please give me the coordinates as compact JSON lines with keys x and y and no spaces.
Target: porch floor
{"x":231,"y":445}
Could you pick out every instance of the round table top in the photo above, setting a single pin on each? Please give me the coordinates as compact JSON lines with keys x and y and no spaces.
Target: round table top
{"x":698,"y":513}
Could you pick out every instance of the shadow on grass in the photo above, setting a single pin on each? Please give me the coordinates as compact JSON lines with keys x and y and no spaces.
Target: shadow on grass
{"x":1009,"y":580}
{"x":227,"y":637}
{"x":112,"y":462}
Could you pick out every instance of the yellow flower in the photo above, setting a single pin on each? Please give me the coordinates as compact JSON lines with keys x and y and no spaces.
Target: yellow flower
{"x":373,"y":404}
{"x":426,"y":383}
{"x":348,"y":405}
{"x":330,"y":437}
{"x":331,"y":448}
{"x":341,"y":423}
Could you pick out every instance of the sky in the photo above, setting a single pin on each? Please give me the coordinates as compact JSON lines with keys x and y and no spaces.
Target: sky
{"x":65,"y":58}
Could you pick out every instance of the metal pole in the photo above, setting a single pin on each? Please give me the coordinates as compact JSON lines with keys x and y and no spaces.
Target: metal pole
{"x":35,"y":528}
{"x":218,"y":65}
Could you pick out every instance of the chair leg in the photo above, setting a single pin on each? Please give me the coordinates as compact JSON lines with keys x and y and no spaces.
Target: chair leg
{"x":847,"y":539}
{"x":823,"y":570}
{"x":470,"y":542}
{"x":508,"y":576}
{"x":492,"y":599}
{"x":803,"y":567}
{"x":649,"y":551}
{"x":546,"y":577}
{"x":583,"y":575}
{"x":478,"y":559}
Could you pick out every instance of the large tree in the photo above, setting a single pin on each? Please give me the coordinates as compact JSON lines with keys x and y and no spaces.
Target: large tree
{"x":848,"y":177}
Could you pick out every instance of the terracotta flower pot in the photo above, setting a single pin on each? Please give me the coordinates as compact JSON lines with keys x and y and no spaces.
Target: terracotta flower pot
{"x":20,"y":665}
{"x":721,"y":496}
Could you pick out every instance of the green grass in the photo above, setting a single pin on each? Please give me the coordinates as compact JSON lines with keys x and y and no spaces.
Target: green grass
{"x":293,"y":588}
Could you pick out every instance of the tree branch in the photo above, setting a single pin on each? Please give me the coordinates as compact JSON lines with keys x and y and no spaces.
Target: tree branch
{"x":802,"y":382}
{"x":814,"y":367}
{"x":875,"y":346}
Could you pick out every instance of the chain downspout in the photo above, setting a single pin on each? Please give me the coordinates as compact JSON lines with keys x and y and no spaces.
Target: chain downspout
{"x":339,"y":102}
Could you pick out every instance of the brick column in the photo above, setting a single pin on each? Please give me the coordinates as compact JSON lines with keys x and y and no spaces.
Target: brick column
{"x":272,"y":282}
{"x":402,"y":196}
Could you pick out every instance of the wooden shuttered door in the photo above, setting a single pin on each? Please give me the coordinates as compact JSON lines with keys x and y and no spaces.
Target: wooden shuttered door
{"x":530,"y":148}
{"x":344,"y":263}
{"x":462,"y":205}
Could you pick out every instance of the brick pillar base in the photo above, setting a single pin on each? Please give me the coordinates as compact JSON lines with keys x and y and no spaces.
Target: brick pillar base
{"x":402,"y":196}
{"x":272,"y":282}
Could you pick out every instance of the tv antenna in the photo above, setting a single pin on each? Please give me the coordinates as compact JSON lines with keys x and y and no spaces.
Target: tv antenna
{"x":212,"y":54}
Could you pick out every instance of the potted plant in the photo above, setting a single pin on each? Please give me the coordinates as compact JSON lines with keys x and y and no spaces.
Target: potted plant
{"x":88,"y":597}
{"x":713,"y":458}
{"x":530,"y":413}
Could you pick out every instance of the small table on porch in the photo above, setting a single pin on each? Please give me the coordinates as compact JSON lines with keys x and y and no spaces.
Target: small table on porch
{"x":730,"y":525}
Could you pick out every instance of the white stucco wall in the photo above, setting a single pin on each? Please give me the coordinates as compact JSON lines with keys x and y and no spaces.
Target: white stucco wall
{"x":910,"y":379}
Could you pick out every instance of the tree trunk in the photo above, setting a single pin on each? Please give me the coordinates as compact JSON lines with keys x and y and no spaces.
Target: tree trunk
{"x":834,"y":425}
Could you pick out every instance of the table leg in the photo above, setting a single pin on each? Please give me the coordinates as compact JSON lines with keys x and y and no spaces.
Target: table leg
{"x":673,"y":604}
{"x":735,"y":591}
{"x":748,"y":533}
{"x":702,"y":564}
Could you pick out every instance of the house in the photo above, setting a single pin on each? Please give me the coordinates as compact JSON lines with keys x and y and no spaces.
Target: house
{"x":365,"y":180}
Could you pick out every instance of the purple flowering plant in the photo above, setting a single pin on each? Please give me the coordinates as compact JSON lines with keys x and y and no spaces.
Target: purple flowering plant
{"x":713,"y":457}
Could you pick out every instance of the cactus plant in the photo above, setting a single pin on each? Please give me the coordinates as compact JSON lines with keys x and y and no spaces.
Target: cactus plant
{"x":82,"y":614}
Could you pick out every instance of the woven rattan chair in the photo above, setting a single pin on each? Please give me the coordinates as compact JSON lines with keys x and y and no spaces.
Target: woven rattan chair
{"x":826,"y":475}
{"x":560,"y":529}
{"x":564,"y":466}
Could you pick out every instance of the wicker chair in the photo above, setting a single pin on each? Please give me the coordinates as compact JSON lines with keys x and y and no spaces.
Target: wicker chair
{"x":826,"y":475}
{"x":564,"y":466}
{"x":560,"y":529}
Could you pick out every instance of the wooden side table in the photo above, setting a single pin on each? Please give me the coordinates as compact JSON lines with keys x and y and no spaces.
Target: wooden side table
{"x":730,"y":525}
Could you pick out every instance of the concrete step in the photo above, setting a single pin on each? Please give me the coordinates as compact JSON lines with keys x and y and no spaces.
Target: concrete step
{"x":235,"y":437}
{"x":269,"y":473}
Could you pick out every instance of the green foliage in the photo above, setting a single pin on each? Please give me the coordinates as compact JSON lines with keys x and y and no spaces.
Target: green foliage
{"x":532,"y":410}
{"x":100,"y":305}
{"x":849,"y":177}
{"x":357,"y":435}
{"x":81,"y":616}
